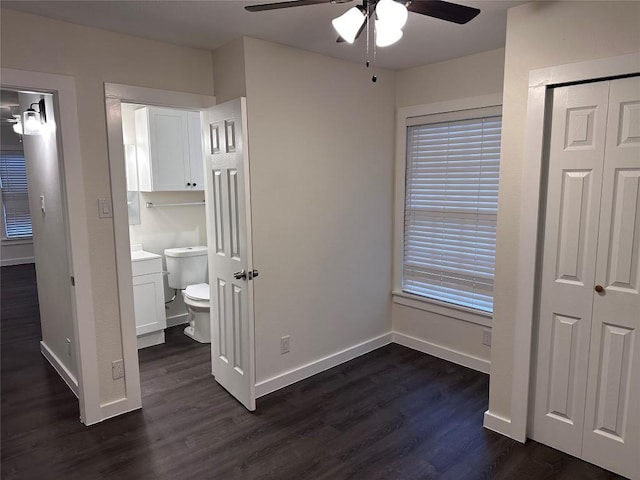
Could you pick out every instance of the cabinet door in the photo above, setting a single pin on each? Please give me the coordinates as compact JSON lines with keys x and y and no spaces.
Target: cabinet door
{"x":169,"y":148}
{"x":195,"y":152}
{"x":148,"y":302}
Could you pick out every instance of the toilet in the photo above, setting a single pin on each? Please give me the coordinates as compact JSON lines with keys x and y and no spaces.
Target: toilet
{"x":187,"y":267}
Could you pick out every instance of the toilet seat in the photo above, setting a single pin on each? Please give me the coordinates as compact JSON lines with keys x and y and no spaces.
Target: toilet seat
{"x":198,"y":292}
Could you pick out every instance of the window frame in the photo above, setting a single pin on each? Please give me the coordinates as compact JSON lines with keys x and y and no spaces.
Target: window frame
{"x":405,"y":115}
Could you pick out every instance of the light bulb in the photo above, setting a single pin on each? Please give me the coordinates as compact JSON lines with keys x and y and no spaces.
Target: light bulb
{"x":348,"y":24}
{"x":31,"y":122}
{"x":392,"y":13}
{"x":386,"y":35}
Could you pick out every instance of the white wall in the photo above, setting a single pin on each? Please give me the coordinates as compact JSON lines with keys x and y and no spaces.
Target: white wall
{"x":540,"y":34}
{"x":45,"y":178}
{"x":229,"y":71}
{"x":474,"y":75}
{"x":470,"y":76}
{"x":321,"y":149}
{"x":13,"y":252}
{"x":93,"y":57}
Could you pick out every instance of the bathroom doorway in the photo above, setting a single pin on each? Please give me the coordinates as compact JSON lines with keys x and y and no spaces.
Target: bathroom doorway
{"x":151,"y":215}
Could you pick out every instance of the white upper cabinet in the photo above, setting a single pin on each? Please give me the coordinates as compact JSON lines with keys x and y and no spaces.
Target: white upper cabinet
{"x":169,"y":150}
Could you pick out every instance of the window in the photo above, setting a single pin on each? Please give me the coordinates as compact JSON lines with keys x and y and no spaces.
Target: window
{"x":15,"y":200}
{"x":451,"y":198}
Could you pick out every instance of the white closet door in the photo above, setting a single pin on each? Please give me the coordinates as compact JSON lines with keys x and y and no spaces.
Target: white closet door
{"x":612,"y":419}
{"x":576,"y":152}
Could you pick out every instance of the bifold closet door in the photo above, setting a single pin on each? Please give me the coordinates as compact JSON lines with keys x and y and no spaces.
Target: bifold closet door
{"x":612,"y":416}
{"x":576,"y":154}
{"x":587,"y":379}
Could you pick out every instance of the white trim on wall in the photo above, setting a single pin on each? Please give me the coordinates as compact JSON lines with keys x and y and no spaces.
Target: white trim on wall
{"x":115,"y":94}
{"x":312,"y":368}
{"x":64,"y":90}
{"x":402,"y":116}
{"x":540,"y":81}
{"x":445,"y":353}
{"x":59,"y":367}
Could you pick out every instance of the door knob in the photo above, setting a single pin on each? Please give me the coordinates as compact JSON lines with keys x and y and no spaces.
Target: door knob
{"x":253,"y":274}
{"x":599,"y":288}
{"x":241,"y":275}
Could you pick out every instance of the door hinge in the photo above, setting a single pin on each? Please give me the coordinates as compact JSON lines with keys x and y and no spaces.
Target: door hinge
{"x":73,"y":281}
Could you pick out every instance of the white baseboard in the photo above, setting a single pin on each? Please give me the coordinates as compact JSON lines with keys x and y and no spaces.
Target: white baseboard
{"x":115,"y":408}
{"x":150,"y":339}
{"x":7,"y":262}
{"x":174,"y":320}
{"x":68,"y":377}
{"x":300,"y":373}
{"x":497,"y":423}
{"x":455,"y":356}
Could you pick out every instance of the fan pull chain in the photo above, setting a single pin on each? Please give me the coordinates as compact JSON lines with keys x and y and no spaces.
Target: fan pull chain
{"x":370,"y":39}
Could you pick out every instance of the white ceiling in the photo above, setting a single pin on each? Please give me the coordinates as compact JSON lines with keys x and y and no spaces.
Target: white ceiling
{"x":210,"y":24}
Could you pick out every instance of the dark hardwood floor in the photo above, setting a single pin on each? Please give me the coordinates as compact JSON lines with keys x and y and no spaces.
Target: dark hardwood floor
{"x":391,"y":414}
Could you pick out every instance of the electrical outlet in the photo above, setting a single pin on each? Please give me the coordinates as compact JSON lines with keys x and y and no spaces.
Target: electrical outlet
{"x":486,"y":337}
{"x":117,"y":369}
{"x":284,"y":344}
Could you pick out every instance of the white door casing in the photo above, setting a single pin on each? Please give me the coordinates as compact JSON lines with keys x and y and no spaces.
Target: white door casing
{"x":587,"y":383}
{"x":612,"y":415}
{"x":228,"y":207}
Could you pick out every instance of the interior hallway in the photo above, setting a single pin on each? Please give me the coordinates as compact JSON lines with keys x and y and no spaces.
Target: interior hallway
{"x":391,"y":414}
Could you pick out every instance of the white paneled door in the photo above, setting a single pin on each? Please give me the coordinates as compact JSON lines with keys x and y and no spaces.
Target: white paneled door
{"x":231,"y":273}
{"x":587,"y":382}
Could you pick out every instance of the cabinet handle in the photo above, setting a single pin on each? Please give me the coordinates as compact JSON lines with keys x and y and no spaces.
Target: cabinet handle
{"x":194,"y":184}
{"x":188,"y":184}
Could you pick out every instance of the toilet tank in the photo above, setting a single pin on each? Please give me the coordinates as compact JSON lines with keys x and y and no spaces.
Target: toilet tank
{"x":186,"y":266}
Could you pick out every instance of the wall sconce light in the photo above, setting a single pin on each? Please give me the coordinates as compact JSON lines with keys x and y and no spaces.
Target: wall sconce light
{"x":33,"y":120}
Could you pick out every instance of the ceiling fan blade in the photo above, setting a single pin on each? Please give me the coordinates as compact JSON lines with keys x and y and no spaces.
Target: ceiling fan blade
{"x":291,"y":3}
{"x":451,"y":12}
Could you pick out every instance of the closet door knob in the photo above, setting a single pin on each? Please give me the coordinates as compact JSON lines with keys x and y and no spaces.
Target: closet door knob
{"x":599,"y":288}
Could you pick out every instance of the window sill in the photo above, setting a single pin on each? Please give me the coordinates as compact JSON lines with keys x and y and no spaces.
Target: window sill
{"x":17,"y":241}
{"x":442,"y":308}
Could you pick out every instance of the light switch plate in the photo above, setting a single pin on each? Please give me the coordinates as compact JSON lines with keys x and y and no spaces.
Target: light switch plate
{"x":104,"y":208}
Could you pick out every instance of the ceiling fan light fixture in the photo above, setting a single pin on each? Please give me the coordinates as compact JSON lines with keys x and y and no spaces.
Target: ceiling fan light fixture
{"x":392,"y":13}
{"x":386,"y":35}
{"x":348,"y":24}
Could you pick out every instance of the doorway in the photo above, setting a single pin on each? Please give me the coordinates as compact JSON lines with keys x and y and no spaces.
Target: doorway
{"x":60,"y":133}
{"x":127,"y":204}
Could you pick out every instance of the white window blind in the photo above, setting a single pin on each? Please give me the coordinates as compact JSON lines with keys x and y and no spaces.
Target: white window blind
{"x":451,"y":204}
{"x":15,"y":200}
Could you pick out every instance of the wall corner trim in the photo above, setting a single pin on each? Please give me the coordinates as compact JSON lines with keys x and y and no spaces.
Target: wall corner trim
{"x":498,"y":424}
{"x":446,"y":353}
{"x":312,"y":368}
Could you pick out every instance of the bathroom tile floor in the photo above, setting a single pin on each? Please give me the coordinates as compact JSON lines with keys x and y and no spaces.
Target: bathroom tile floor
{"x":391,"y":414}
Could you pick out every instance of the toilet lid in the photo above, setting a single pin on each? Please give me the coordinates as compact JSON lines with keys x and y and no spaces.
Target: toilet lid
{"x":198,"y":292}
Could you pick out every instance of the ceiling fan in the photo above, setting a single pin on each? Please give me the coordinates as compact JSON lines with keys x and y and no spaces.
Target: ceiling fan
{"x":391,"y":15}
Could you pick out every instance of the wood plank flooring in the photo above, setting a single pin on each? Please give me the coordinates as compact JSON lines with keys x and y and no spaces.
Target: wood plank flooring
{"x":393,"y":414}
